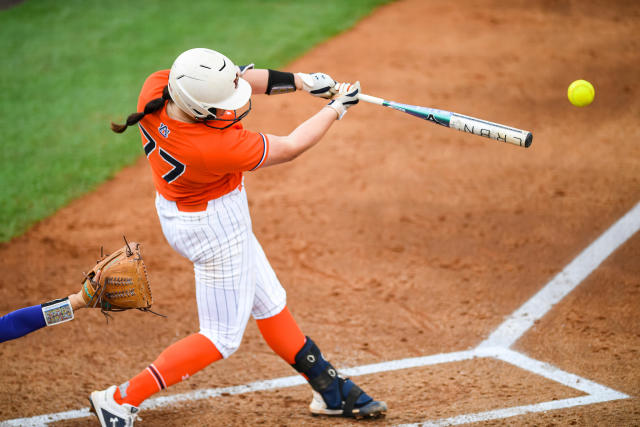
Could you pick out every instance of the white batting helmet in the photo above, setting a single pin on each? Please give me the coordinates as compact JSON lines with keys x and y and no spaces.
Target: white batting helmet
{"x":202,"y":80}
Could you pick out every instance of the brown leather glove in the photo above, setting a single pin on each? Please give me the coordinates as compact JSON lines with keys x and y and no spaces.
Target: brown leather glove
{"x":118,"y":282}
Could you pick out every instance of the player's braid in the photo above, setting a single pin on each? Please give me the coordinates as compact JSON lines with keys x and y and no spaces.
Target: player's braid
{"x":151,"y":107}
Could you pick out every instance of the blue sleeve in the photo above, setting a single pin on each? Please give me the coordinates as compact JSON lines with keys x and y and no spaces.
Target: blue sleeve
{"x":21,"y":322}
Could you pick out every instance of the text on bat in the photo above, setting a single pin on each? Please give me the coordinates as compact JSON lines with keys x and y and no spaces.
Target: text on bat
{"x":487,"y":133}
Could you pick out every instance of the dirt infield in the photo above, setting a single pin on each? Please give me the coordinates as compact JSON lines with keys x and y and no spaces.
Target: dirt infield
{"x":394,"y":238}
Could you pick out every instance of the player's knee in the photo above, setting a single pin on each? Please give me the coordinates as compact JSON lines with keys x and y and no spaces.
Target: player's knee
{"x":226,"y":347}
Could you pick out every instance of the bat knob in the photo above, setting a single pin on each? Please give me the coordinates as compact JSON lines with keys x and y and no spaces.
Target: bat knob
{"x":528,"y":140}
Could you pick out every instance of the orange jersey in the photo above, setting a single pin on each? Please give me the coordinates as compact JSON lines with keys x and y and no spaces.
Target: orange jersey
{"x":192,"y":163}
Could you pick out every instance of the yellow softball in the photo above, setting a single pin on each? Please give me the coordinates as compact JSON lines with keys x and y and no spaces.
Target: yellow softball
{"x":581,"y":93}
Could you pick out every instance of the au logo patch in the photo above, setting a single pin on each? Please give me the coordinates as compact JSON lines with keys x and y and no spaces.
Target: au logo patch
{"x":164,"y":130}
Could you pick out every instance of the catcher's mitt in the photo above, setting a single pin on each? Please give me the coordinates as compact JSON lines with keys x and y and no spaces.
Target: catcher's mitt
{"x":118,"y":282}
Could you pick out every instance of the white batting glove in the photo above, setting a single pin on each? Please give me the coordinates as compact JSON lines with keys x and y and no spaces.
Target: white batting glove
{"x":346,"y":95}
{"x":317,"y":84}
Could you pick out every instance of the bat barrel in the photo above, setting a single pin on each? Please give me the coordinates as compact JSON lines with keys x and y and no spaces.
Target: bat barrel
{"x":491,"y":130}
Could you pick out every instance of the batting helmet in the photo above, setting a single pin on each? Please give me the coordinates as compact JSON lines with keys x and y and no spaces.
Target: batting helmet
{"x":202,"y":80}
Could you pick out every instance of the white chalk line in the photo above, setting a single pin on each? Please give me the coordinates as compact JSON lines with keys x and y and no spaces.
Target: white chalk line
{"x":496,"y":346}
{"x":596,"y":393}
{"x":498,"y":414}
{"x":498,"y":343}
{"x":564,"y":282}
{"x":552,"y":373}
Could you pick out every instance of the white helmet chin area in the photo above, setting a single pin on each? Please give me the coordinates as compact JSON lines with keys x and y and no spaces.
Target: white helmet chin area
{"x":202,"y":80}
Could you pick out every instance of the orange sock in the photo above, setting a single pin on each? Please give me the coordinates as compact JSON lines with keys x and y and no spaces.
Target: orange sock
{"x":176,"y":363}
{"x":283,"y":335}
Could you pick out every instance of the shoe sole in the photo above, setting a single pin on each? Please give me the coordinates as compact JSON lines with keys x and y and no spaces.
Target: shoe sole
{"x":93,"y":408}
{"x":371,"y":411}
{"x":370,"y":416}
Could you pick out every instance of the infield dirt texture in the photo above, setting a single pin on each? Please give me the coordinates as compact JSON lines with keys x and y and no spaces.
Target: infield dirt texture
{"x":394,"y":238}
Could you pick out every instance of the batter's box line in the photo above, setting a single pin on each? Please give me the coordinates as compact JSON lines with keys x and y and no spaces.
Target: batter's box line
{"x":596,"y":393}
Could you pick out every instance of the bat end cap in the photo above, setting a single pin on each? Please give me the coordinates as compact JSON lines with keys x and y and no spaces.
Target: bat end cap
{"x":528,"y":140}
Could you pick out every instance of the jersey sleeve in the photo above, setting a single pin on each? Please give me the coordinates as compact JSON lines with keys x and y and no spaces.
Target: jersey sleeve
{"x":241,"y":151}
{"x":152,"y":88}
{"x":21,"y":322}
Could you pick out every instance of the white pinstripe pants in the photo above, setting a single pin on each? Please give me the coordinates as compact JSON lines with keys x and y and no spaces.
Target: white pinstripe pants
{"x":233,"y":276}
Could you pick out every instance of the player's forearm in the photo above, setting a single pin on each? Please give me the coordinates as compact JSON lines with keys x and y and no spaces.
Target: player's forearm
{"x":308,"y":133}
{"x":286,"y":148}
{"x":21,"y":322}
{"x":259,"y":80}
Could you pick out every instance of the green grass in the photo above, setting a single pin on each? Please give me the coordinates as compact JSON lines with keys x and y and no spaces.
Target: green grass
{"x":70,"y":67}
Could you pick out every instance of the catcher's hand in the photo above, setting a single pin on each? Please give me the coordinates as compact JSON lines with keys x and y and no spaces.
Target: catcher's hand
{"x":118,"y":282}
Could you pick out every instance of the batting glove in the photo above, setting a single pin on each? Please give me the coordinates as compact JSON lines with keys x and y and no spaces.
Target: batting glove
{"x":346,"y":95}
{"x":317,"y":84}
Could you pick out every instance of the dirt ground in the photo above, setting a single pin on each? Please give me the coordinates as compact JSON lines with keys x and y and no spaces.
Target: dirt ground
{"x":394,"y":238}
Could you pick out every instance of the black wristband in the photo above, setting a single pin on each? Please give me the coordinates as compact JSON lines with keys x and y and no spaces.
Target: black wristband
{"x":280,"y":82}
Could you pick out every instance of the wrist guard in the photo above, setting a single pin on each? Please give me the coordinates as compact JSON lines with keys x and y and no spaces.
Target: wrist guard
{"x":280,"y":82}
{"x":57,"y":311}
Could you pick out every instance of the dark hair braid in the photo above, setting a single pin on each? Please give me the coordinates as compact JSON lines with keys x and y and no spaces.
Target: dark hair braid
{"x":151,"y":107}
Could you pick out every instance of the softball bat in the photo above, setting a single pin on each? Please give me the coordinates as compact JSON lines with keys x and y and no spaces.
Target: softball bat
{"x":459,"y":122}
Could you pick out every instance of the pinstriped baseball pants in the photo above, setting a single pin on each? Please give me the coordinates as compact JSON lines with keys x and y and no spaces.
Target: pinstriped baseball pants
{"x":233,"y":276}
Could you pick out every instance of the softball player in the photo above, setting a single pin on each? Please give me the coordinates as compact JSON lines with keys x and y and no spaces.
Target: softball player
{"x":189,"y":121}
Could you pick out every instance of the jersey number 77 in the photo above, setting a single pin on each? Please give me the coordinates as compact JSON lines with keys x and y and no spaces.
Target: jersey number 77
{"x":150,"y":145}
